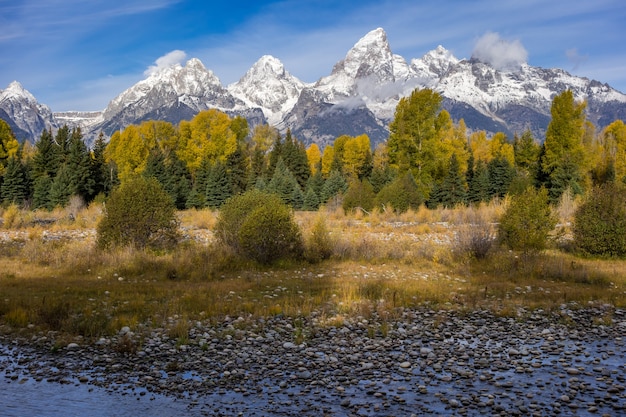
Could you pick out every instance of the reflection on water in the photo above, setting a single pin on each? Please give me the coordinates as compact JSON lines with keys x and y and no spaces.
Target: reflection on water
{"x":30,"y":398}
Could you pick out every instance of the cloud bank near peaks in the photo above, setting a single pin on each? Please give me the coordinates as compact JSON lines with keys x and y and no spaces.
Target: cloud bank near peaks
{"x":501,"y":54}
{"x":168,"y":60}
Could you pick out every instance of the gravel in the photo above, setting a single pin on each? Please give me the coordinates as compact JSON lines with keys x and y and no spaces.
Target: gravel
{"x":425,"y":362}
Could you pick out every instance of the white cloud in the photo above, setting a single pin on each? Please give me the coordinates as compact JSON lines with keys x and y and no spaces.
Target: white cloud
{"x":575,"y":58}
{"x":166,"y":61}
{"x":499,"y":53}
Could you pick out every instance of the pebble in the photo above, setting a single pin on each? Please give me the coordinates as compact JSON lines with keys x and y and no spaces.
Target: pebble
{"x":473,"y":363}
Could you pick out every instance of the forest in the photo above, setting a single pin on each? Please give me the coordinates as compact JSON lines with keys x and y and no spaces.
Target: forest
{"x":428,"y":159}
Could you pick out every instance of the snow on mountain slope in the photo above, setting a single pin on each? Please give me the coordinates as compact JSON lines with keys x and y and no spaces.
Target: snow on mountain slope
{"x":358,"y":96}
{"x":269,"y":86}
{"x":26,"y":116}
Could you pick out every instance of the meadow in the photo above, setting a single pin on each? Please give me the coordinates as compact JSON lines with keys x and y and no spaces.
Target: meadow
{"x":54,"y":279}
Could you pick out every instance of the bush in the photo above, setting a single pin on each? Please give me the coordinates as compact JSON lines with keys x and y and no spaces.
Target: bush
{"x":234,"y":211}
{"x":269,"y":233}
{"x":600,"y":222}
{"x":527,"y":222}
{"x":402,"y":194}
{"x":319,"y":245}
{"x":359,"y":195}
{"x":476,"y":238}
{"x":141,"y":214}
{"x":259,"y":226}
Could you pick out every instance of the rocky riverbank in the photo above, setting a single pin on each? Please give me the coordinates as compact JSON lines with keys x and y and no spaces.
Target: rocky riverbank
{"x":422,"y":362}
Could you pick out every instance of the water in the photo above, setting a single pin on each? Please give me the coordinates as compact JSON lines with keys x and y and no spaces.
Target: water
{"x":21,"y":395}
{"x":22,"y":398}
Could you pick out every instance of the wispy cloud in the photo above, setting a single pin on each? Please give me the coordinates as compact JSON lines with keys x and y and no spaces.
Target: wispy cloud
{"x":166,"y":61}
{"x":500,"y":53}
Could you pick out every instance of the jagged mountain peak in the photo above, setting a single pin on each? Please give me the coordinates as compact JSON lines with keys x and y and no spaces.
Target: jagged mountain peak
{"x":15,"y":89}
{"x":368,"y":57}
{"x":269,"y":86}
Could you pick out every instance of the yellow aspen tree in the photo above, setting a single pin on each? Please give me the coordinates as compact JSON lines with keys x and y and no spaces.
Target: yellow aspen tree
{"x":128,"y":151}
{"x":357,"y":155}
{"x":327,"y":160}
{"x":314,"y":156}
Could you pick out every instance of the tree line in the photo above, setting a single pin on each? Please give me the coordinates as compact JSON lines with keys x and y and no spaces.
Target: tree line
{"x":427,"y":159}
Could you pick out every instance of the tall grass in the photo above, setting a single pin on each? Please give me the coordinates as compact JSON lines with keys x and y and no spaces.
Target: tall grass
{"x":378,"y":265}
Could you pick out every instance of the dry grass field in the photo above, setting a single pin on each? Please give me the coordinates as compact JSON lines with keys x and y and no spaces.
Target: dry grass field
{"x":53,"y":278}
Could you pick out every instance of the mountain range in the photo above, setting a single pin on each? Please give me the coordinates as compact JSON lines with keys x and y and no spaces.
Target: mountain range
{"x":359,"y":96}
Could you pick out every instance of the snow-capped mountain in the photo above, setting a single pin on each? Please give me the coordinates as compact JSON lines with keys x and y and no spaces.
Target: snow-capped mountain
{"x":174,"y":94}
{"x":268,"y":86}
{"x":358,"y":96}
{"x":26,"y":116}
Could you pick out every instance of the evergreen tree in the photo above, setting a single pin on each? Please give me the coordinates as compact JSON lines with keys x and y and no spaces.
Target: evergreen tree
{"x":316,"y":183}
{"x":285,"y":185}
{"x":155,"y":166}
{"x":41,"y":193}
{"x":527,"y":152}
{"x":453,"y":188}
{"x":15,"y":188}
{"x":275,"y":154}
{"x":311,"y":200}
{"x":295,"y":158}
{"x":60,"y":189}
{"x":197,"y":195}
{"x":177,"y":181}
{"x":45,"y":160}
{"x":62,"y":142}
{"x":334,"y":185}
{"x":501,"y":174}
{"x":237,"y":169}
{"x":100,"y":170}
{"x":479,"y":185}
{"x":218,"y":188}
{"x":79,"y":166}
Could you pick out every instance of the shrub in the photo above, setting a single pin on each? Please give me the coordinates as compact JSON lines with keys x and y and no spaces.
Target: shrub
{"x":319,"y":245}
{"x":234,"y":211}
{"x":360,"y":194}
{"x":527,"y":222}
{"x":600,"y":222}
{"x":475,"y":239}
{"x":260,"y":227}
{"x":402,"y":194}
{"x":139,"y":213}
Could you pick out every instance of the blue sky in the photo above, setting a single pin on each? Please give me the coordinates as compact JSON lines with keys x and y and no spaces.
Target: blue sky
{"x":78,"y":55}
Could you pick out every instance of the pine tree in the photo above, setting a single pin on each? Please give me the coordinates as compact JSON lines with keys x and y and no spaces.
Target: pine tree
{"x":334,"y":185}
{"x":60,"y":190}
{"x":100,"y":170}
{"x":41,"y":193}
{"x":177,"y":181}
{"x":62,"y":142}
{"x":285,"y":185}
{"x":155,"y":166}
{"x":501,"y":174}
{"x":15,"y":188}
{"x":45,"y":160}
{"x":218,"y":188}
{"x":453,"y":189}
{"x":79,"y":166}
{"x":311,"y":200}
{"x":237,"y":169}
{"x":479,"y":186}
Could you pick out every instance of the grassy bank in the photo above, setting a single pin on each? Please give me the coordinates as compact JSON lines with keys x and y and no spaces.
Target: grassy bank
{"x":53,"y":278}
